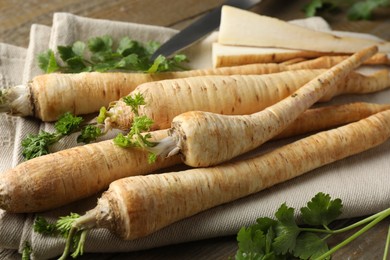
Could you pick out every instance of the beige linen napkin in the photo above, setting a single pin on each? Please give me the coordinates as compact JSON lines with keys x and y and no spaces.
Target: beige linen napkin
{"x":360,"y":181}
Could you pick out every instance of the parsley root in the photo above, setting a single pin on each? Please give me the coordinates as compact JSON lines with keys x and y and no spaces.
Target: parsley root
{"x":327,"y":117}
{"x":50,"y":181}
{"x":226,"y":55}
{"x":114,"y":163}
{"x":229,"y":95}
{"x":49,"y":96}
{"x":206,"y":139}
{"x":136,"y":206}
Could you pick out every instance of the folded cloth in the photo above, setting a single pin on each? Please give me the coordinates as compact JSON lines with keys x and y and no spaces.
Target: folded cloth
{"x":360,"y":181}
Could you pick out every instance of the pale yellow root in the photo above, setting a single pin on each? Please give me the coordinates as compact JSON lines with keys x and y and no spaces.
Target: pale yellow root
{"x":206,"y":139}
{"x":328,"y":117}
{"x":54,"y":186}
{"x":330,"y":61}
{"x":138,"y":206}
{"x":226,"y":56}
{"x":231,"y":95}
{"x":49,"y":96}
{"x":66,"y":176}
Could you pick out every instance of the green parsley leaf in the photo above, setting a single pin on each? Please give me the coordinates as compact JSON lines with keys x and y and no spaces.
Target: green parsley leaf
{"x":151,"y":47}
{"x":130,"y":62}
{"x":356,"y":10}
{"x":47,"y":62}
{"x":363,"y":10}
{"x":78,"y":48}
{"x":38,"y":145}
{"x":251,"y":243}
{"x":98,"y":55}
{"x":311,"y":8}
{"x":89,"y":134}
{"x":321,"y":210}
{"x":35,"y":145}
{"x":68,"y":123}
{"x":100,"y":44}
{"x":103,"y":114}
{"x":64,"y":224}
{"x":286,"y":230}
{"x":310,"y":246}
{"x":123,"y":141}
{"x":134,"y":102}
{"x":290,"y":240}
{"x":42,"y":226}
{"x":159,"y":62}
{"x":65,"y":52}
{"x":26,"y":252}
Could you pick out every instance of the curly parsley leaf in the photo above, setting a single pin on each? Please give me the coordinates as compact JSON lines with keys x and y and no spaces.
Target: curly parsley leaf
{"x":89,"y":134}
{"x":134,"y":102}
{"x":68,"y":123}
{"x":35,"y":145}
{"x":42,"y":226}
{"x":38,"y":145}
{"x":321,"y":210}
{"x":98,"y":54}
{"x":26,"y":252}
{"x":64,"y":224}
{"x":141,"y":124}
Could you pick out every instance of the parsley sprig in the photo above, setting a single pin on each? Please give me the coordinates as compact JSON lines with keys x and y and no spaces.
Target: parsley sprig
{"x":62,"y":227}
{"x":283,"y":238}
{"x":356,"y":9}
{"x":137,"y":136}
{"x":99,"y":54}
{"x":35,"y":145}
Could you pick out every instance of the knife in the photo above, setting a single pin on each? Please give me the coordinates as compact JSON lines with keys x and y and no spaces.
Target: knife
{"x":199,"y":29}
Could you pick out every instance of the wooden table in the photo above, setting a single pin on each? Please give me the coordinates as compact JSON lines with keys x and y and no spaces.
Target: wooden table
{"x":16,"y":17}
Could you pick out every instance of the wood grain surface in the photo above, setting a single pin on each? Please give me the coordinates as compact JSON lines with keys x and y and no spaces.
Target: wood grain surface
{"x":17,"y":16}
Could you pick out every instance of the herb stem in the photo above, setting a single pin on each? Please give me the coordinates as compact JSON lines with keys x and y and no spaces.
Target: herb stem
{"x":385,"y":212}
{"x":326,"y":237}
{"x":387,"y":245}
{"x":68,"y":243}
{"x":379,"y":217}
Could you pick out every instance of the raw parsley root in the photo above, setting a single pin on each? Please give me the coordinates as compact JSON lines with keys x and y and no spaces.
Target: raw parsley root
{"x":136,"y":206}
{"x":48,"y":181}
{"x":49,"y":96}
{"x":98,"y":55}
{"x":125,"y":162}
{"x":44,"y":195}
{"x":283,"y":237}
{"x":205,"y":139}
{"x":226,"y":55}
{"x":327,"y":117}
{"x":229,"y":95}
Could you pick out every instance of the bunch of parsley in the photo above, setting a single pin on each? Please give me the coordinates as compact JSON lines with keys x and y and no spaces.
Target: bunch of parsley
{"x":356,"y":9}
{"x":99,"y":54}
{"x":283,"y":238}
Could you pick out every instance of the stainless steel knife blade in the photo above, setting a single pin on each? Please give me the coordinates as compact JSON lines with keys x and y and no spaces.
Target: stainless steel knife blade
{"x":199,"y":29}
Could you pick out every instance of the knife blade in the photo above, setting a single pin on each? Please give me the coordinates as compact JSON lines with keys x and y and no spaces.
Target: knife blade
{"x":199,"y":29}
